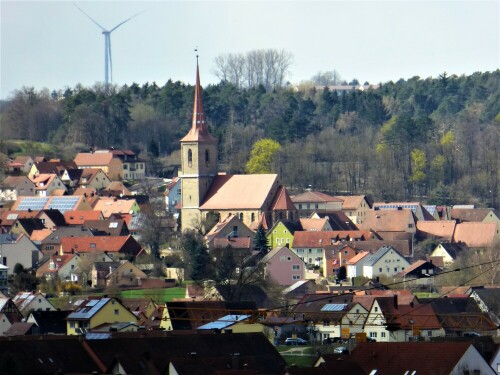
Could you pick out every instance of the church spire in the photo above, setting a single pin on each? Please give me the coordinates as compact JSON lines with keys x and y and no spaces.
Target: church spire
{"x":199,"y":127}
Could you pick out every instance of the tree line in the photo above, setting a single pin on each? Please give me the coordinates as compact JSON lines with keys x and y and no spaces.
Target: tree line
{"x":435,"y":139}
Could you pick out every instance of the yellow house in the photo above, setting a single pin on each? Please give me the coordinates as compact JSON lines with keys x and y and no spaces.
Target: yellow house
{"x":281,"y":234}
{"x":95,"y":311}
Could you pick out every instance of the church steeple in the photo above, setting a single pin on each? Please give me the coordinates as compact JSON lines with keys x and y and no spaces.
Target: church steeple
{"x":199,"y":128}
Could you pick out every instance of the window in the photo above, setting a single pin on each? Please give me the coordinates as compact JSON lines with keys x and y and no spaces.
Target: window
{"x":287,"y":240}
{"x":308,"y":206}
{"x":253,"y":216}
{"x":300,"y":206}
{"x":316,"y":206}
{"x":376,"y":309}
{"x":295,"y":277}
{"x":207,"y":158}
{"x":373,"y":334}
{"x":4,"y":261}
{"x":382,"y":334}
{"x":117,"y":312}
{"x":190,"y":158}
{"x":429,"y":333}
{"x":395,"y":269}
{"x":296,"y":267}
{"x":72,"y":324}
{"x":277,"y":240}
{"x":241,"y":215}
{"x":380,"y":270}
{"x":125,"y":166}
{"x":410,"y":225}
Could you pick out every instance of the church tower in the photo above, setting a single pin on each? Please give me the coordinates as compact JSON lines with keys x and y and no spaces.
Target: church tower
{"x":198,"y":162}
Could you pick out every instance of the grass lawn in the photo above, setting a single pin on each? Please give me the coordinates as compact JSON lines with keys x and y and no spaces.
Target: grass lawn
{"x":158,"y":295}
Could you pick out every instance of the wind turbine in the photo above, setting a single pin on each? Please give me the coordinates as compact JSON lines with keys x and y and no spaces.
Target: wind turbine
{"x":108,"y":62}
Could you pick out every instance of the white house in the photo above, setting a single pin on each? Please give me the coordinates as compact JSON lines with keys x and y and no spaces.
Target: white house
{"x":385,"y":262}
{"x":354,"y":266}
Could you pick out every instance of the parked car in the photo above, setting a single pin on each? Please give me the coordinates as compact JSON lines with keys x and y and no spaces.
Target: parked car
{"x":297,"y":341}
{"x":341,"y":350}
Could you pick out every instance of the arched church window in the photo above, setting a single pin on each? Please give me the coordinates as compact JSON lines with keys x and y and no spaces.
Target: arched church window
{"x":253,"y":217}
{"x":190,"y":158}
{"x":241,"y":215}
{"x":207,"y":158}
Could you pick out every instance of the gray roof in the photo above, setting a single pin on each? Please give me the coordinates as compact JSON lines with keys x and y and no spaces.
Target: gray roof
{"x":8,"y":238}
{"x":374,"y":258}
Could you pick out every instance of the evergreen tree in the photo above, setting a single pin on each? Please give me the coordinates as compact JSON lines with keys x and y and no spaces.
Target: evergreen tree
{"x":260,"y":240}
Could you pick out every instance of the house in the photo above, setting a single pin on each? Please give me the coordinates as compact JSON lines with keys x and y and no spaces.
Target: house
{"x":172,"y":194}
{"x":204,"y":191}
{"x":48,"y":322}
{"x":477,"y":235}
{"x":329,"y":316}
{"x":385,"y":262}
{"x":21,"y":329}
{"x":337,"y":256}
{"x":110,"y":206}
{"x":26,"y":226}
{"x":63,"y":204}
{"x":110,"y":165}
{"x":189,"y":315}
{"x":281,"y":233}
{"x":95,"y":311}
{"x":315,"y":201}
{"x":310,"y":245}
{"x":9,"y":314}
{"x":144,"y":306}
{"x":50,"y":243}
{"x":21,"y":164}
{"x":418,"y":210}
{"x":355,"y":264}
{"x":53,"y":166}
{"x":488,"y":300}
{"x":63,"y":267}
{"x":442,"y":229}
{"x":337,"y":220}
{"x":79,"y":217}
{"x":389,"y":321}
{"x":27,"y":302}
{"x":117,"y":189}
{"x":16,"y":186}
{"x":134,"y":168}
{"x":17,"y":248}
{"x":118,"y":246}
{"x":120,"y":274}
{"x":398,"y":358}
{"x":108,"y":227}
{"x":283,"y":266}
{"x":46,"y":184}
{"x":449,"y":252}
{"x":230,"y":228}
{"x":478,"y":215}
{"x":458,"y":315}
{"x":421,"y":272}
{"x":93,"y":178}
{"x":355,"y":207}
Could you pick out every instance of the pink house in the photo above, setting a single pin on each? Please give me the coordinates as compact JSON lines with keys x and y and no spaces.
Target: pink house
{"x":283,"y":266}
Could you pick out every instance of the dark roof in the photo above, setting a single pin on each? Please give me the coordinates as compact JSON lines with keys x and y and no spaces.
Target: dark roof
{"x":31,"y":224}
{"x":56,"y":216}
{"x":40,"y":355}
{"x":217,"y":350}
{"x":454,"y":249}
{"x":20,"y":329}
{"x":50,"y":322}
{"x":109,"y":227}
{"x":338,"y":220}
{"x":74,"y":174}
{"x":245,"y":293}
{"x":490,"y":297}
{"x":391,"y":358}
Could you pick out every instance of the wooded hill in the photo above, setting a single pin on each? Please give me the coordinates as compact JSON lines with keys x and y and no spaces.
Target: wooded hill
{"x":433,"y":140}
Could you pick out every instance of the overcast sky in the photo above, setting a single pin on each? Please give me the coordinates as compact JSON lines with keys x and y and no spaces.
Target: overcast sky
{"x":51,"y":44}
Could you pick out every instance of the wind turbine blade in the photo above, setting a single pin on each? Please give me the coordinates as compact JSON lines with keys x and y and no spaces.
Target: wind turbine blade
{"x":128,"y":19}
{"x":102,"y":28}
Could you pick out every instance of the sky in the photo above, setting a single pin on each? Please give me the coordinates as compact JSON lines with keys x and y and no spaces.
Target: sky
{"x":51,"y":44}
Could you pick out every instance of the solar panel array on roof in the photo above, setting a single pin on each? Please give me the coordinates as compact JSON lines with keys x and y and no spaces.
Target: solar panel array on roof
{"x":84,"y":313}
{"x":334,"y":307}
{"x":412,"y":207}
{"x":98,"y":336}
{"x":32,"y":203}
{"x":63,"y":204}
{"x":224,"y":322}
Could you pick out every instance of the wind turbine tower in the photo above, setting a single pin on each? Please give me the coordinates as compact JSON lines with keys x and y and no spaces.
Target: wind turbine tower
{"x":108,"y":61}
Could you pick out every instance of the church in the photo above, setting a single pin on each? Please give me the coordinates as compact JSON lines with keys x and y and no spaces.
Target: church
{"x":254,"y":198}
